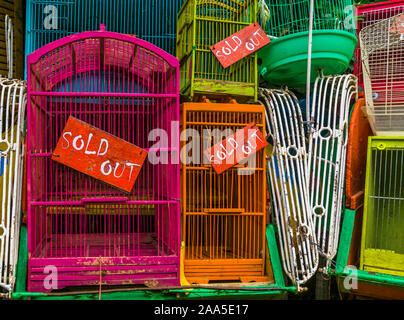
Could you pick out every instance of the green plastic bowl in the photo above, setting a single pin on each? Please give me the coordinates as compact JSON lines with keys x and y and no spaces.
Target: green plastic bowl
{"x":284,"y":60}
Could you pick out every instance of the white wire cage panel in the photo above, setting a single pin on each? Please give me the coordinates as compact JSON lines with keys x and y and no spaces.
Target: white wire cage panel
{"x":12,"y":110}
{"x":327,"y":146}
{"x":287,"y":179}
{"x":382,"y":49}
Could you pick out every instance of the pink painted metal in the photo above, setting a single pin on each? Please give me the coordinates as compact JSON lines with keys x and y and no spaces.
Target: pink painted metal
{"x":369,"y":14}
{"x":84,"y":227}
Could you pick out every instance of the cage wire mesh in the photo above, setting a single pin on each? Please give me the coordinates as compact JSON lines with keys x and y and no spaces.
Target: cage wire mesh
{"x":224,"y":215}
{"x":289,"y":17}
{"x":333,"y":97}
{"x":382,"y":234}
{"x":287,"y":168}
{"x":382,"y":49}
{"x":92,"y":232}
{"x":368,"y":15}
{"x":202,"y":24}
{"x":151,"y":20}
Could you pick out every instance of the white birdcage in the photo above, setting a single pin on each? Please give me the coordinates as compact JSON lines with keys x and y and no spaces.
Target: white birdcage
{"x":382,"y":47}
{"x":329,"y":112}
{"x":12,"y":110}
{"x":287,"y":180}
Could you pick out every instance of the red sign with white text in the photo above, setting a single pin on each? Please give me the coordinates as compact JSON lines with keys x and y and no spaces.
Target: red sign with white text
{"x":240,"y":44}
{"x":99,"y":154}
{"x":398,"y":24}
{"x":236,"y":148}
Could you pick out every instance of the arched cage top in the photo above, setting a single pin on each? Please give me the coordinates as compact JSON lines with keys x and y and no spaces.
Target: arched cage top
{"x":285,"y":17}
{"x":102,"y":62}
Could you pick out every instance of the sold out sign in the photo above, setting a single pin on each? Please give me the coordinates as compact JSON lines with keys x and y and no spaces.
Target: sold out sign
{"x":234,"y":149}
{"x":240,"y":45}
{"x":98,"y":154}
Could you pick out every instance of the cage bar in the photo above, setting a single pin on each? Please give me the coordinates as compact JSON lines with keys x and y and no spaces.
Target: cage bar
{"x":333,"y":97}
{"x":284,"y":60}
{"x":201,"y":24}
{"x":151,"y":20}
{"x":94,"y":233}
{"x":367,"y":15}
{"x":382,"y":248}
{"x":382,"y":51}
{"x":287,"y":178}
{"x":12,"y":113}
{"x":223,"y":215}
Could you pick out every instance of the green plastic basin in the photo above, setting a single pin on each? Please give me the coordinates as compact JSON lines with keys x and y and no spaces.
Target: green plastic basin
{"x":284,"y":60}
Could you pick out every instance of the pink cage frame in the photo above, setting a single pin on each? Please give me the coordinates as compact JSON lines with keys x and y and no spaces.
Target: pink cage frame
{"x":92,"y":233}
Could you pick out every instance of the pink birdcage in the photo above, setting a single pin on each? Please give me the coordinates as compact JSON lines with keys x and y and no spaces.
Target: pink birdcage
{"x":87,"y":231}
{"x":367,"y":15}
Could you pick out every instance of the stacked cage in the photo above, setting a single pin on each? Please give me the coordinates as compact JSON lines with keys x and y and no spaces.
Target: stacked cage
{"x":284,"y":60}
{"x":201,"y":24}
{"x":382,"y":248}
{"x":382,"y":50}
{"x":93,"y":233}
{"x":224,"y":219}
{"x":152,"y":20}
{"x":12,"y":113}
{"x":369,"y":14}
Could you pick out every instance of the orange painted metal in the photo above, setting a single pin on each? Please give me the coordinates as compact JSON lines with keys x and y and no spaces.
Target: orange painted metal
{"x":99,"y":154}
{"x":240,"y":45}
{"x":223,"y":215}
{"x":359,"y":130}
{"x":236,"y":148}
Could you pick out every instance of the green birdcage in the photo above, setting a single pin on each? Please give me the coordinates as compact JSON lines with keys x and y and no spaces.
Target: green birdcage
{"x":383,"y":220}
{"x":202,"y":24}
{"x":286,"y":22}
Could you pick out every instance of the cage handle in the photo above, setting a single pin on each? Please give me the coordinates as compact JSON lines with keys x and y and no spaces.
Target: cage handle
{"x":117,"y":199}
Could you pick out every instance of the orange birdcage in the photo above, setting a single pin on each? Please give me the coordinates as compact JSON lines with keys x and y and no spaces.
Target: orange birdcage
{"x":223,"y":215}
{"x":359,"y":130}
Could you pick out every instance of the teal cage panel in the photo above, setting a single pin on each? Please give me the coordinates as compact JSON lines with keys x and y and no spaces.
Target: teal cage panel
{"x":150,"y":20}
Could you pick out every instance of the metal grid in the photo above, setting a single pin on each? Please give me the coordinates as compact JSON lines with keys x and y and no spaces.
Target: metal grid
{"x":332,"y":100}
{"x":126,"y":87}
{"x":382,"y":235}
{"x":368,"y":15}
{"x":151,"y":20}
{"x":223,"y":215}
{"x":287,"y":177}
{"x":12,"y":112}
{"x":201,"y":24}
{"x":289,"y":17}
{"x":383,"y":75}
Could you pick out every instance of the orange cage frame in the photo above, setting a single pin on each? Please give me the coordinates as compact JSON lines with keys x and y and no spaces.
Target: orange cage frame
{"x":223,"y":216}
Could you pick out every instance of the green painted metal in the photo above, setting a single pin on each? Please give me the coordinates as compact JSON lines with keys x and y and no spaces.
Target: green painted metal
{"x":341,"y":270}
{"x":382,"y":247}
{"x":276,"y":291}
{"x":284,"y":60}
{"x":275,"y":258}
{"x":21,"y":272}
{"x":200,"y":25}
{"x":345,"y":240}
